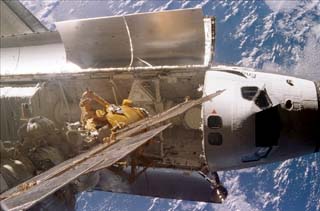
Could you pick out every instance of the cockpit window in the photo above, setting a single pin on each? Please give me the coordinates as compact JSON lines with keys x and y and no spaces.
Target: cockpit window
{"x":248,"y":92}
{"x":215,"y":138}
{"x":262,"y":100}
{"x":260,"y":97}
{"x":234,"y":72}
{"x":214,"y":122}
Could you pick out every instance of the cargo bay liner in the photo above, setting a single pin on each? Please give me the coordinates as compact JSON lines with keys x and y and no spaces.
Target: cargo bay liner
{"x":157,"y":60}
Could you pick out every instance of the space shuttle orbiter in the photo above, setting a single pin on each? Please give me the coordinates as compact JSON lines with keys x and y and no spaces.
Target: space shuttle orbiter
{"x":157,"y":60}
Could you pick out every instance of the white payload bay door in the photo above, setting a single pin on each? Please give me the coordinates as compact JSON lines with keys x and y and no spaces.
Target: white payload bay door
{"x":16,"y":19}
{"x":174,"y":37}
{"x":166,"y":40}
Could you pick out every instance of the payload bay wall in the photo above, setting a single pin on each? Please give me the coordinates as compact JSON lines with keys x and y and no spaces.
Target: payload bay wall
{"x":58,"y":99}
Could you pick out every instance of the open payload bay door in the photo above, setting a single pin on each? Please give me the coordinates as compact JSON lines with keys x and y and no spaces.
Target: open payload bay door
{"x":176,"y":37}
{"x":16,"y":19}
{"x":148,"y":41}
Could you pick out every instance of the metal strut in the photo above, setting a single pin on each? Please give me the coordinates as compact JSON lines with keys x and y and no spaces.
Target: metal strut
{"x":219,"y":192}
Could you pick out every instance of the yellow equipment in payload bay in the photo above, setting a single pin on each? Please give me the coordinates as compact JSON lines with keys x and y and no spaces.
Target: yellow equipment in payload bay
{"x":112,"y":115}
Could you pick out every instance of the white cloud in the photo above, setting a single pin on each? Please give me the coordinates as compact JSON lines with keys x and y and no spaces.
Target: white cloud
{"x":309,"y":62}
{"x":282,"y":6}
